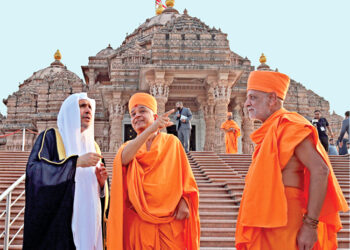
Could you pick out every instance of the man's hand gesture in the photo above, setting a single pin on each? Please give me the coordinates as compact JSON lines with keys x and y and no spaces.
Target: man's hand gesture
{"x":88,"y":160}
{"x":101,"y":174}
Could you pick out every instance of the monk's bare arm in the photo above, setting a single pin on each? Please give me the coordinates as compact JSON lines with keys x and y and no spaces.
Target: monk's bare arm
{"x":133,"y":146}
{"x":319,"y":171}
{"x":307,"y":154}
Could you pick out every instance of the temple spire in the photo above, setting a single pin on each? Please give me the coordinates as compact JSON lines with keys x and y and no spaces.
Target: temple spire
{"x":160,"y":8}
{"x":262,"y":58}
{"x":57,"y":55}
{"x":263,"y":66}
{"x":169,"y":3}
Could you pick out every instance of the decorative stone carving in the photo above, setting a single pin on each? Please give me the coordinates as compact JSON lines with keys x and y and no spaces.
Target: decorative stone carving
{"x":116,"y":112}
{"x":92,"y":76}
{"x":247,"y":128}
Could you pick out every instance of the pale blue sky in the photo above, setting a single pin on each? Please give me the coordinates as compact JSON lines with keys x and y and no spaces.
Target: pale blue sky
{"x":307,"y":39}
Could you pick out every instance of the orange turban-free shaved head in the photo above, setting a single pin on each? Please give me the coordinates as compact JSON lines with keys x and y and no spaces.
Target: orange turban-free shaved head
{"x":229,"y":113}
{"x":143,"y":99}
{"x":269,"y":81}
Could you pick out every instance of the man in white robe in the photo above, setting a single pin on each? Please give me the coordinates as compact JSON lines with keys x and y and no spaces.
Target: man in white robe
{"x":65,"y":181}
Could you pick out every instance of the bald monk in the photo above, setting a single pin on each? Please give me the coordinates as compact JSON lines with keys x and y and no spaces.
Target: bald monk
{"x":291,"y":197}
{"x":232,"y":132}
{"x":154,"y":196}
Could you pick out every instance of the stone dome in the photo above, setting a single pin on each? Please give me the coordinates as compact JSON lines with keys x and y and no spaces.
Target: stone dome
{"x":169,"y":22}
{"x":161,"y":19}
{"x":106,"y":52}
{"x":55,"y":70}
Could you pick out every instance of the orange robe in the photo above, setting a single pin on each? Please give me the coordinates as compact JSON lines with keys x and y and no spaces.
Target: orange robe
{"x":145,"y":194}
{"x":270,"y":213}
{"x":231,"y":137}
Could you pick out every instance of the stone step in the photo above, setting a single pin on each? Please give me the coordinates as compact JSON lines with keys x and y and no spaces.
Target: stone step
{"x":215,"y":196}
{"x":218,"y":208}
{"x":220,"y":179}
{"x":217,"y":241}
{"x":218,"y":202}
{"x":217,"y":232}
{"x":204,"y":190}
{"x":220,"y":216}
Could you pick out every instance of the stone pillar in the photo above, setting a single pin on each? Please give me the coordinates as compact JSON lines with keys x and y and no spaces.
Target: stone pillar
{"x":116,"y":114}
{"x":222,"y":96}
{"x":160,"y":92}
{"x":247,"y":129}
{"x":238,"y":119}
{"x":209,"y":117}
{"x":92,"y":76}
{"x":159,"y":88}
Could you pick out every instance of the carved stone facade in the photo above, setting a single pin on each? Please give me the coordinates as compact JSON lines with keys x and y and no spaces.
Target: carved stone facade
{"x":172,"y":56}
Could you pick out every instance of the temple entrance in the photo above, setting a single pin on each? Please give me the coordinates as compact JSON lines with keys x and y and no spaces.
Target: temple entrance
{"x":172,"y":130}
{"x":129,"y":133}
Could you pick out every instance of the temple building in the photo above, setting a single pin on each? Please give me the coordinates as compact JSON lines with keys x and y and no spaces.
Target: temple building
{"x":174,"y":57}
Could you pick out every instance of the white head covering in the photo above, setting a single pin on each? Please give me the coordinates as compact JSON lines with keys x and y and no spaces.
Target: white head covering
{"x":69,"y":125}
{"x":86,"y":221}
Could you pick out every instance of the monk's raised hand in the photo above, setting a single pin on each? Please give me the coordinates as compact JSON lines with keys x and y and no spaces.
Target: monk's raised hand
{"x":101,"y":174}
{"x":88,"y":160}
{"x":182,"y":211}
{"x":163,"y":121}
{"x":168,"y":112}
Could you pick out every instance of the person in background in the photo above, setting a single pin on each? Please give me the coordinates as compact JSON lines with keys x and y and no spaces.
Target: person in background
{"x":332,"y":150}
{"x":232,"y":132}
{"x":344,"y":128}
{"x":183,"y":117}
{"x":342,"y":147}
{"x":322,"y":125}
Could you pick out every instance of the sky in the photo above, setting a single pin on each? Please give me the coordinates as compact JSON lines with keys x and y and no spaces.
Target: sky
{"x":307,"y":40}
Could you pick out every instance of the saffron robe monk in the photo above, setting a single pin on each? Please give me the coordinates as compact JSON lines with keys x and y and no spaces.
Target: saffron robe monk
{"x":291,"y":197}
{"x":232,"y":132}
{"x":154,"y":196}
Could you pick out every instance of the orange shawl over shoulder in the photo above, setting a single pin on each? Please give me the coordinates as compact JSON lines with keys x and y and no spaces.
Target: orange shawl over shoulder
{"x":264,"y":203}
{"x":231,"y":137}
{"x":153,"y":182}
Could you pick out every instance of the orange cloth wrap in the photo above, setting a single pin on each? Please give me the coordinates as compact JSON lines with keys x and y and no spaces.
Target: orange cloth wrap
{"x":264,"y":203}
{"x":230,"y":136}
{"x":143,"y":99}
{"x":269,"y":81}
{"x":145,"y":194}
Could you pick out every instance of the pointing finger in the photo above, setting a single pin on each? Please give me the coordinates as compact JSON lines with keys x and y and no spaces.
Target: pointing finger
{"x":166,"y":114}
{"x":169,"y":124}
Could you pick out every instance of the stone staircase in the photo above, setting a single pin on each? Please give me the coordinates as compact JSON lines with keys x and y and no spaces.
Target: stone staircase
{"x":220,"y":179}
